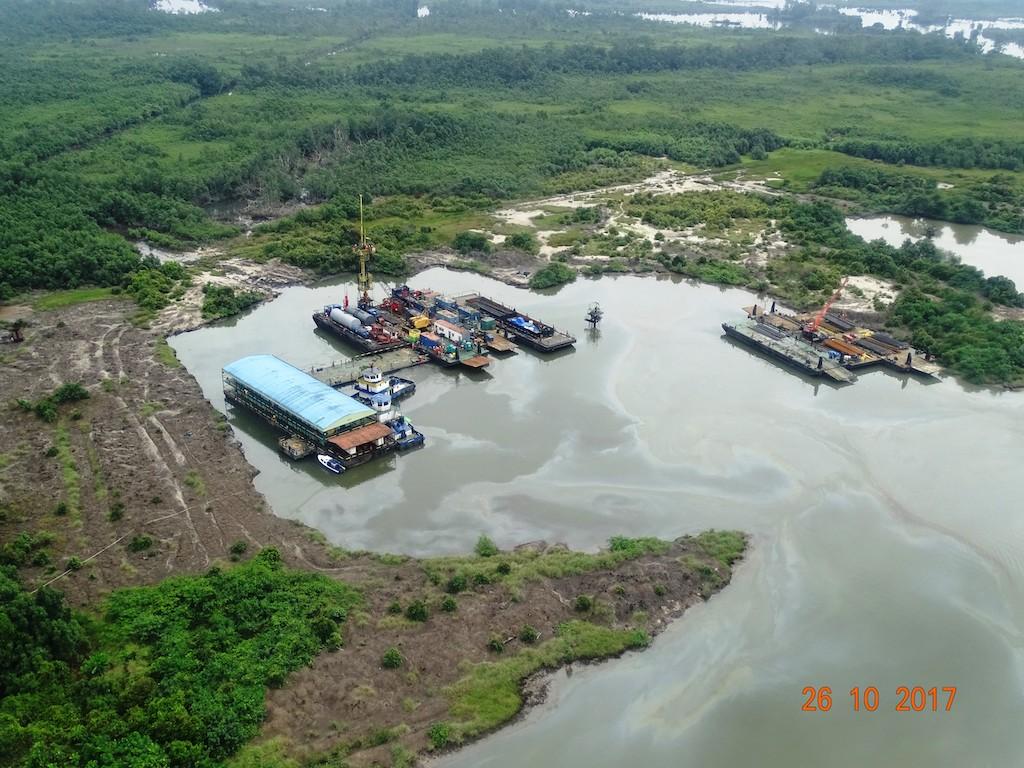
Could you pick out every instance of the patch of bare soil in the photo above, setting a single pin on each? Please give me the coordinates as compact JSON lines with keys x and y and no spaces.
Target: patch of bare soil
{"x":242,"y":275}
{"x":144,"y":455}
{"x":347,"y":698}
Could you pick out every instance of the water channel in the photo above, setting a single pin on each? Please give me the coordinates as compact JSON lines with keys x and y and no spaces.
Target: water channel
{"x":888,"y":544}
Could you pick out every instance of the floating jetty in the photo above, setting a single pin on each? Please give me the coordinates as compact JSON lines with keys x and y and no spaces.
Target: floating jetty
{"x":520,"y":327}
{"x":828,"y":345}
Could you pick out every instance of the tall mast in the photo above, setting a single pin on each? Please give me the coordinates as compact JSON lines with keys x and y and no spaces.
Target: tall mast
{"x":365,"y":249}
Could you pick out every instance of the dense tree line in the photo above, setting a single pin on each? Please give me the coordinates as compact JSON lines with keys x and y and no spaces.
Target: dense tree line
{"x":995,"y":202}
{"x":963,"y":152}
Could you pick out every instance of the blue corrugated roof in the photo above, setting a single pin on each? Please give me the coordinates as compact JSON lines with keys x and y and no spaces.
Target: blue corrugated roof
{"x":297,"y":392}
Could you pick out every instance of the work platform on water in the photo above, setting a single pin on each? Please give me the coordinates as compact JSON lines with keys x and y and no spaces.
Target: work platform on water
{"x":827,"y":344}
{"x":344,"y":372}
{"x":518,"y":326}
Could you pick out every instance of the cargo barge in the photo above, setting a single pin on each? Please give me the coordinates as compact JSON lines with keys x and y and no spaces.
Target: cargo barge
{"x":793,"y":352}
{"x":522,"y":328}
{"x":363,"y":333}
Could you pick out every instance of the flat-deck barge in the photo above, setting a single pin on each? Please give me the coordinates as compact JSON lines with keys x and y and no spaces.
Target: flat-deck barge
{"x":521,"y":328}
{"x":792,"y":351}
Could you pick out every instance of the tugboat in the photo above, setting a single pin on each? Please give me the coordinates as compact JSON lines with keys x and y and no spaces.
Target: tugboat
{"x":330,"y":463}
{"x":594,"y":315}
{"x":406,"y":435}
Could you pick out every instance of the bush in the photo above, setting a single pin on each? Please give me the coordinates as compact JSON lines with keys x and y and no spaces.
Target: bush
{"x":523,"y":241}
{"x":75,"y":564}
{"x":504,"y":568}
{"x":116,"y":512}
{"x":395,"y":608}
{"x":392,"y":658}
{"x":448,"y":604}
{"x":528,"y":634}
{"x":440,"y":735}
{"x":481,"y":579}
{"x":659,"y":590}
{"x":485,"y":547}
{"x":238,"y":549}
{"x":61,"y":509}
{"x":140,"y":543}
{"x":496,"y":644}
{"x":417,"y":611}
{"x":51,"y":451}
{"x":583,"y":604}
{"x":456,"y":584}
{"x":469,"y":242}
{"x":551,"y":275}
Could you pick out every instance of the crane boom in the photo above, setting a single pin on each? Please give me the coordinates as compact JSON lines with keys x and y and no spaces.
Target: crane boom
{"x":813,"y":326}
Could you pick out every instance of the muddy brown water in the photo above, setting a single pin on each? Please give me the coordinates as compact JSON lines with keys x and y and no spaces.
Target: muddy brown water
{"x":888,"y":539}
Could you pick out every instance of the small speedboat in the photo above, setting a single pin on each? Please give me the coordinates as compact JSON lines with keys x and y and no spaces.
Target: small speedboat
{"x":329,"y":463}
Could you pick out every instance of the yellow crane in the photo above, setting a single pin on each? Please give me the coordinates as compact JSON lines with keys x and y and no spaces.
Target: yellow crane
{"x":364,"y":250}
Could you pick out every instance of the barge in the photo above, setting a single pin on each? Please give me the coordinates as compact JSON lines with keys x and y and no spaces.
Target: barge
{"x":359,"y":333}
{"x":793,"y":352}
{"x":520,"y":327}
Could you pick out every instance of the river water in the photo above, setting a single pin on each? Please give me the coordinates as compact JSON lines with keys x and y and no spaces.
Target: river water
{"x":888,"y":544}
{"x":994,"y":253}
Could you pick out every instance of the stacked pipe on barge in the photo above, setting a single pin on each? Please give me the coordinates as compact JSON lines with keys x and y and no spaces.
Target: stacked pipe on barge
{"x":302,"y":407}
{"x":342,"y":323}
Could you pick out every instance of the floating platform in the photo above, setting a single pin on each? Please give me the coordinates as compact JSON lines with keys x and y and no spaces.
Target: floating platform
{"x":344,"y":372}
{"x":791,"y":351}
{"x":500,"y":344}
{"x":294,"y":447}
{"x":519,"y":327}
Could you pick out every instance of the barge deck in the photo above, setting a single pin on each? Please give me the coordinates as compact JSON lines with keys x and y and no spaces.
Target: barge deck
{"x":519,"y":327}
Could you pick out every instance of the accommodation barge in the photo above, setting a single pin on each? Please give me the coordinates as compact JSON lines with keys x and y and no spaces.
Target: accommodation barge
{"x":307,"y":411}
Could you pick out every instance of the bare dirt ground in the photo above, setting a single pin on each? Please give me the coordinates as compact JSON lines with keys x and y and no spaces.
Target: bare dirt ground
{"x":145,"y":447}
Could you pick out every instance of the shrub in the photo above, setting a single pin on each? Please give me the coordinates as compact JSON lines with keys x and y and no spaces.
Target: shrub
{"x":485,"y":547}
{"x":468,"y":242}
{"x":551,"y":275}
{"x":659,"y":590}
{"x":75,"y":564}
{"x":440,"y":735}
{"x":392,"y":658}
{"x":51,"y":451}
{"x":496,"y":644}
{"x":448,"y":604}
{"x":504,"y":568}
{"x":583,"y":603}
{"x":395,"y":608}
{"x":140,"y":543}
{"x":456,"y":584}
{"x":481,"y":579}
{"x":116,"y":512}
{"x":238,"y":548}
{"x":417,"y":611}
{"x":528,"y":634}
{"x":61,"y":509}
{"x":522,"y":241}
